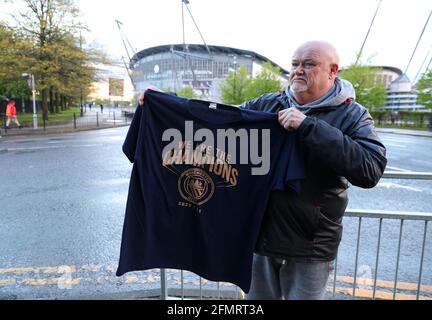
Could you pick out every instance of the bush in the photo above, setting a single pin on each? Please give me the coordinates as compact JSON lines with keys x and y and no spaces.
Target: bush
{"x":403,"y":118}
{"x":379,"y":115}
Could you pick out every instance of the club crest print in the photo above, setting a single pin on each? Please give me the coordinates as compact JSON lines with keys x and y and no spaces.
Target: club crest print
{"x":196,"y":186}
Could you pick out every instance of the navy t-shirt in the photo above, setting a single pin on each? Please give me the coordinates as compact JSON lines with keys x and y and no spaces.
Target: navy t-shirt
{"x":196,"y":203}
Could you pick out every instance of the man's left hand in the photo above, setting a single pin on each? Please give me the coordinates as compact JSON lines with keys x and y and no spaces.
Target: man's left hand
{"x":291,"y":118}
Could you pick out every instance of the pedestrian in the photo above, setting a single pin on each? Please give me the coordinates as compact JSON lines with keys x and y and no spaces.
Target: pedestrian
{"x":300,"y":234}
{"x":393,"y":117}
{"x":101,"y":107}
{"x":430,"y":122}
{"x":11,"y":114}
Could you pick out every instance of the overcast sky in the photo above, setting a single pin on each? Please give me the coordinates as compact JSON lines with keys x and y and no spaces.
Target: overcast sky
{"x":273,"y":28}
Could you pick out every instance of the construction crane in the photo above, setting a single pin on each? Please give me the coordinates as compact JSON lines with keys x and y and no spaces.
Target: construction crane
{"x":367,"y":34}
{"x":418,"y":41}
{"x":132,"y":56}
{"x":421,"y":67}
{"x":185,"y":53}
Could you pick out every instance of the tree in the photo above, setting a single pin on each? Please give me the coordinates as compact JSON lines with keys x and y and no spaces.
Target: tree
{"x":369,"y":92}
{"x":12,"y":64}
{"x":424,"y":87}
{"x":187,"y":92}
{"x":234,"y":87}
{"x":266,"y":81}
{"x":62,"y":67}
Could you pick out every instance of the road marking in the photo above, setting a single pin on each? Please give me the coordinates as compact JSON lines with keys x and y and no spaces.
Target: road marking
{"x":55,"y":147}
{"x":395,"y":145}
{"x":362,"y":293}
{"x":390,"y":185}
{"x":51,"y":281}
{"x":59,"y":269}
{"x":91,"y":268}
{"x":7,"y":282}
{"x":407,"y":286}
{"x":364,"y":286}
{"x":397,"y":169}
{"x":131,"y":279}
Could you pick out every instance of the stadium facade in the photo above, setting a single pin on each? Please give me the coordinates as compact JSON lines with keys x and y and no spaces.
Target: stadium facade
{"x":202,"y":67}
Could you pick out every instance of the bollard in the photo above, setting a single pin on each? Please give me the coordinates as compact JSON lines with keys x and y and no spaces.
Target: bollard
{"x":4,"y":121}
{"x":74,"y":120}
{"x":97,"y":119}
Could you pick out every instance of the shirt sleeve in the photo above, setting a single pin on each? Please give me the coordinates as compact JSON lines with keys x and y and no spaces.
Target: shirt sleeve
{"x":131,"y":141}
{"x":357,"y":155}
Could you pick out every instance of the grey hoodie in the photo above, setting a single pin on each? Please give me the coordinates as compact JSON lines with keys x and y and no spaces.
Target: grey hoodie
{"x":338,"y":94}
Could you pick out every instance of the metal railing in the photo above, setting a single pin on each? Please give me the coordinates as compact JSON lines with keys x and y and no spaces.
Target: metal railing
{"x":111,"y":117}
{"x":355,"y":213}
{"x":395,"y":215}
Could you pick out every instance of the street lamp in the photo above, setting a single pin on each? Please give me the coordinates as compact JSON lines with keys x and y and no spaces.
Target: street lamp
{"x":235,"y":76}
{"x":31,"y":79}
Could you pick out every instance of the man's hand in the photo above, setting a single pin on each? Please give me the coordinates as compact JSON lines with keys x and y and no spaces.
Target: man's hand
{"x":141,"y":97}
{"x":291,"y":118}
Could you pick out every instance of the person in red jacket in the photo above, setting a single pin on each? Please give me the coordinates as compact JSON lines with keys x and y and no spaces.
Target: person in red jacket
{"x":11,"y":114}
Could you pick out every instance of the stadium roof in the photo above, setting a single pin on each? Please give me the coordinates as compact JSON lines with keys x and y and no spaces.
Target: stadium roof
{"x":200,"y":48}
{"x":388,"y":68}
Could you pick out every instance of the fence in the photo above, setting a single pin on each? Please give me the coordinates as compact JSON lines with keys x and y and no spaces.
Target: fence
{"x":403,"y":118}
{"x":225,"y":291}
{"x":110,"y":117}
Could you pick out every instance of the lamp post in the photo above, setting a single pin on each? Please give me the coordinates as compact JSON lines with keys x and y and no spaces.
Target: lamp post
{"x":32,"y":84}
{"x":235,"y":76}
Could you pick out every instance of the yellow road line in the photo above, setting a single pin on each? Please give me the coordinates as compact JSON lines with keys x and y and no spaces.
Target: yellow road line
{"x":69,"y":282}
{"x":59,"y":269}
{"x":384,"y":284}
{"x":368,"y":294}
{"x":7,"y":282}
{"x":131,"y":279}
{"x":69,"y":270}
{"x":52,"y":281}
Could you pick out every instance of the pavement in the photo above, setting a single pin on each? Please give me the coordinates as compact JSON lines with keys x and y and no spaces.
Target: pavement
{"x":418,"y":133}
{"x":67,"y":128}
{"x":85,"y":123}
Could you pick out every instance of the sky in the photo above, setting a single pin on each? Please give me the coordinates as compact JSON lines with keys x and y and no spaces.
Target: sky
{"x":272,"y":28}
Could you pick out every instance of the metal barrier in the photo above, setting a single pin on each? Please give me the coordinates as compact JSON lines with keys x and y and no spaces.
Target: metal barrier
{"x":386,"y":214}
{"x":112,"y":117}
{"x":360,"y":214}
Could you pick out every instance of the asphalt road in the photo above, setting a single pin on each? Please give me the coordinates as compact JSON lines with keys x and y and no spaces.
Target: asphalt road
{"x":62,"y":202}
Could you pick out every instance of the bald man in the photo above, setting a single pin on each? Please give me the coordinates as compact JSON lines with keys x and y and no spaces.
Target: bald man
{"x":300,"y":234}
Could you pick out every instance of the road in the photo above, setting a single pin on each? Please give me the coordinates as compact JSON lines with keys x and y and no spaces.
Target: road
{"x":62,"y":209}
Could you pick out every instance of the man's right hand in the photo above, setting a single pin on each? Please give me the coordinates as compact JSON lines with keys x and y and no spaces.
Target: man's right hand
{"x":141,"y":97}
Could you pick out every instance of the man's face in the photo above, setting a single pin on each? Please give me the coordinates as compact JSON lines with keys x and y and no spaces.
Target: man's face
{"x":310,"y":71}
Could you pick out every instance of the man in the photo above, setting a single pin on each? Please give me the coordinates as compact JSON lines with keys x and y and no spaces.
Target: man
{"x":301,"y":233}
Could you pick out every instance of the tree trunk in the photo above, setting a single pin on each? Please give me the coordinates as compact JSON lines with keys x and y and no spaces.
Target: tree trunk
{"x":45,"y":104}
{"x":51,"y":100}
{"x":57,"y":95}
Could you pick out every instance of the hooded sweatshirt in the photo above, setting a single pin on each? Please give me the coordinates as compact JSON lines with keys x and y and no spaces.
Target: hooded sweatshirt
{"x":341,"y":91}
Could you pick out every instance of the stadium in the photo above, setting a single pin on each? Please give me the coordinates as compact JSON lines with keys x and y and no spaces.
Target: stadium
{"x":202,"y":67}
